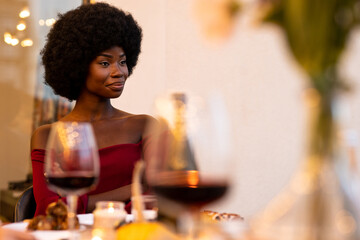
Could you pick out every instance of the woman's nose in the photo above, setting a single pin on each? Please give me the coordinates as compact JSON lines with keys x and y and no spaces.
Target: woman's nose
{"x":117,"y":71}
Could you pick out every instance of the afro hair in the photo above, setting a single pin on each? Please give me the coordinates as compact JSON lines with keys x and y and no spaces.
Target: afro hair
{"x":78,"y":36}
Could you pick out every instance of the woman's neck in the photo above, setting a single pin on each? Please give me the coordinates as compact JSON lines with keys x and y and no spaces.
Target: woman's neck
{"x":91,"y":111}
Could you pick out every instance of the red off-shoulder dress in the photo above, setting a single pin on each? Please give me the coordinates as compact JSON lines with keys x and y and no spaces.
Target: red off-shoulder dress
{"x":116,"y":168}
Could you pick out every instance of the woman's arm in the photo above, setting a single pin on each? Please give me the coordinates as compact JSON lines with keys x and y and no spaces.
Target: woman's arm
{"x":40,"y":136}
{"x":43,"y":195}
{"x":122,"y":194}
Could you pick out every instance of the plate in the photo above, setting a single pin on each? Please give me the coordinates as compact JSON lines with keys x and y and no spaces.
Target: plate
{"x":51,"y":235}
{"x":39,"y":235}
{"x":18,"y":226}
{"x":84,"y":220}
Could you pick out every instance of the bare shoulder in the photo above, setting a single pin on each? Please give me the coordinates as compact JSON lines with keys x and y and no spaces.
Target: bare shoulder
{"x":142,"y":118}
{"x":135,"y":119}
{"x":40,"y":136}
{"x":140,"y":121}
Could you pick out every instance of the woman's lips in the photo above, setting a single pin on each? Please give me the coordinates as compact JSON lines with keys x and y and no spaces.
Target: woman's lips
{"x":116,"y":86}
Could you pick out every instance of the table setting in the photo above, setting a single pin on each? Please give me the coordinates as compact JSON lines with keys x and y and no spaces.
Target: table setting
{"x":86,"y":222}
{"x":190,"y":165}
{"x":105,"y":219}
{"x":190,"y":140}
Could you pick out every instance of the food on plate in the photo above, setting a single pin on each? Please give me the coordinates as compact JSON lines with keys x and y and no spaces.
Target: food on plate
{"x":216,"y":216}
{"x":55,"y":219}
{"x":40,"y":222}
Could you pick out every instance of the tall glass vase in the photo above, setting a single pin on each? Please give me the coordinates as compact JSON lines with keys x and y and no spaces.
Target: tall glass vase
{"x":317,"y":203}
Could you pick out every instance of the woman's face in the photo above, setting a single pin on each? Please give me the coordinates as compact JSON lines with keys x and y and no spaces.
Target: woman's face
{"x":107,"y":73}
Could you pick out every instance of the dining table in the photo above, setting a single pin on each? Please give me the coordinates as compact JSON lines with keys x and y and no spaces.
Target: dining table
{"x":85,"y":231}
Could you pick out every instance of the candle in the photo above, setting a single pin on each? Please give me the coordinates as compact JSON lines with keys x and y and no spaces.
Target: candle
{"x":108,"y":214}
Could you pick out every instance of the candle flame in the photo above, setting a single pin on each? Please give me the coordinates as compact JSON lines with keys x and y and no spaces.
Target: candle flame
{"x":111,"y":207}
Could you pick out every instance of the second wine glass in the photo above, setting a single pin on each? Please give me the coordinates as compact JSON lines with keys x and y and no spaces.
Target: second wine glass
{"x":72,"y":162}
{"x":191,"y":148}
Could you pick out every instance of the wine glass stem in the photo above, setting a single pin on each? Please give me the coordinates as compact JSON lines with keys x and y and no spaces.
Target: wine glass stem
{"x":72,"y":203}
{"x":195,"y":216}
{"x":190,"y":223}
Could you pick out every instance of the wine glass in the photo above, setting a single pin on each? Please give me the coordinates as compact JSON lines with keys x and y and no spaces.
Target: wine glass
{"x":191,"y":150}
{"x":71,"y":163}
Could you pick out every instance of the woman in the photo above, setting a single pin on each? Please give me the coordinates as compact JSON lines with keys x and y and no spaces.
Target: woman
{"x":89,"y":54}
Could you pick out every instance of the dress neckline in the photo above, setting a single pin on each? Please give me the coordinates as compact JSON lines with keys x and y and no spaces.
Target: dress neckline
{"x":119,"y":145}
{"x":104,"y":148}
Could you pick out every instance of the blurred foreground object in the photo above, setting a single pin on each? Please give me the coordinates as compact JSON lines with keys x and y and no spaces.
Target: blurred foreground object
{"x":315,"y":205}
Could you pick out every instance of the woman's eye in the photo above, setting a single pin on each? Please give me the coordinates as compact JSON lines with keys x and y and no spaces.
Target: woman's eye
{"x":105,"y":64}
{"x":123,"y":62}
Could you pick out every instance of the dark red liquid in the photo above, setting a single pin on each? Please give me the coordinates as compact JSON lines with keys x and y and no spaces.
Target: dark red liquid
{"x":198,"y":195}
{"x":72,"y":183}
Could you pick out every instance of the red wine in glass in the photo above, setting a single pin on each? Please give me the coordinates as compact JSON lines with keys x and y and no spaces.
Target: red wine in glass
{"x":187,"y":188}
{"x":76,"y":183}
{"x":199,"y":195}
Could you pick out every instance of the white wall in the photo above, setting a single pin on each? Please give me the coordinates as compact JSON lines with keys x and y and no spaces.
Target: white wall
{"x":262,"y":86}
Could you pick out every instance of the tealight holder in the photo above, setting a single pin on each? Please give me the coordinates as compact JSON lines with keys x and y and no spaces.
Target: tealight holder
{"x":109,"y":214}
